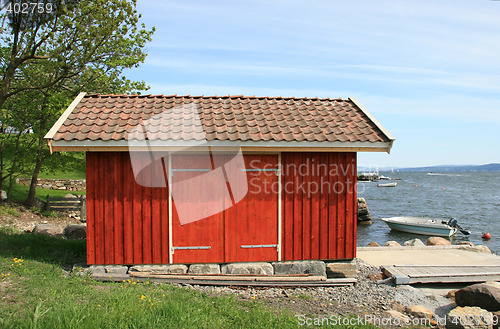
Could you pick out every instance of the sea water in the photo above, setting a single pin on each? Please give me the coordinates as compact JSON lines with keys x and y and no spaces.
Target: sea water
{"x":473,"y":198}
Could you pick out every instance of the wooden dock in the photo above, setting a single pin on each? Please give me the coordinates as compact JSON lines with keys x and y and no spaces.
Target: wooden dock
{"x":409,"y":274}
{"x":231,"y":280}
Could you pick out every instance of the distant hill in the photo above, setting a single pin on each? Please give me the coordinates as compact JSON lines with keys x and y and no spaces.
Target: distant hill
{"x":450,"y":168}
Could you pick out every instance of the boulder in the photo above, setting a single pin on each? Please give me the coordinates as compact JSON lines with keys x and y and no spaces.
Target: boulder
{"x":4,"y":195}
{"x":393,"y":314}
{"x":247,"y":268}
{"x":75,"y":231}
{"x":377,"y":277}
{"x":47,"y":229}
{"x":70,"y":196}
{"x":204,"y":269}
{"x":363,"y":212}
{"x":469,"y":318}
{"x":465,"y":243}
{"x":478,"y":248}
{"x":340,"y":269}
{"x":414,"y":243}
{"x":160,"y":269}
{"x":315,"y":267}
{"x":373,"y":244}
{"x":392,"y":244}
{"x":420,"y":312}
{"x":484,"y":295}
{"x":438,"y":241}
{"x":397,"y":307}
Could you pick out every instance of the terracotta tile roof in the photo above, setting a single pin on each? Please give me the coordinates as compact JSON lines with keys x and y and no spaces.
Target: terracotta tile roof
{"x":233,"y":118}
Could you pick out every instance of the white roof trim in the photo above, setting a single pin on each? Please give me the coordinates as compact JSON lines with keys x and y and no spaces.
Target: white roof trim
{"x":372,"y":118}
{"x":270,"y":144}
{"x":64,"y":116}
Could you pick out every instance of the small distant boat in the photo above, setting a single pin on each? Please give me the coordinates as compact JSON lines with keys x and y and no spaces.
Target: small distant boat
{"x":382,"y":177}
{"x":388,"y":184}
{"x":424,"y":226}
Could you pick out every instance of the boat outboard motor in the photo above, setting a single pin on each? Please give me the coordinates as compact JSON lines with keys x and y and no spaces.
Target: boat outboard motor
{"x":454,"y":223}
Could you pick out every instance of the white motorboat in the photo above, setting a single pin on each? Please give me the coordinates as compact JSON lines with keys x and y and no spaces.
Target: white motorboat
{"x":424,"y":226}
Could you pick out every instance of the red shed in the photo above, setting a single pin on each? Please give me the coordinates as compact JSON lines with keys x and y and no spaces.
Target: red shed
{"x":218,"y":179}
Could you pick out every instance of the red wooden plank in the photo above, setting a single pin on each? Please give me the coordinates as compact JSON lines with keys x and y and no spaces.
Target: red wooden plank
{"x":99,"y":210}
{"x":146,"y":218}
{"x":348,"y":206}
{"x":288,"y":213}
{"x":325,"y":191}
{"x":333,"y":217}
{"x":128,"y":194}
{"x":341,"y":204}
{"x":306,"y":207}
{"x":315,"y":192}
{"x":297,"y":206}
{"x":137,"y":221}
{"x":118,"y":191}
{"x":109,"y":168}
{"x":157,"y":172}
{"x":90,"y":171}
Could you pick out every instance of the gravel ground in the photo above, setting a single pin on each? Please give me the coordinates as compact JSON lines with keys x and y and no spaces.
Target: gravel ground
{"x":366,"y":298}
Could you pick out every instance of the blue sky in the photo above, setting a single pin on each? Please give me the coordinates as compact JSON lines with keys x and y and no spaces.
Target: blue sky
{"x":429,"y":71}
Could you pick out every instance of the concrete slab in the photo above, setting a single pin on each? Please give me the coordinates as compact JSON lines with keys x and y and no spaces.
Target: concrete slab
{"x":387,"y":256}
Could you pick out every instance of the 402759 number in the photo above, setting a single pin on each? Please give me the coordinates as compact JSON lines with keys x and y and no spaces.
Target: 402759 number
{"x":29,"y":7}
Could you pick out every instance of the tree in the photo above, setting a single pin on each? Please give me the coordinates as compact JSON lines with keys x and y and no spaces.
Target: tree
{"x":47,"y":57}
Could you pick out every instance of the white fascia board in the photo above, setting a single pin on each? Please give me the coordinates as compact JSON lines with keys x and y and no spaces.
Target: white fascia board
{"x":184,"y":144}
{"x":64,"y":116}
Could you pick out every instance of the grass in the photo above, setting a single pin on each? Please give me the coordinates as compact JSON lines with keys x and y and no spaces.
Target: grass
{"x":36,"y":294}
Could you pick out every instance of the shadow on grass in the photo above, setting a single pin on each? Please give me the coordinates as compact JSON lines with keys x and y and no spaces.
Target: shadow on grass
{"x":41,"y":248}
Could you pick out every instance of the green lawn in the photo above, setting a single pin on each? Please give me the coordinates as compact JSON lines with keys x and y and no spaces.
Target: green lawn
{"x":35,"y":294}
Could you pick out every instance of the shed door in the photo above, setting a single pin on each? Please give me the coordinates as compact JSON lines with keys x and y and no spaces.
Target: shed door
{"x":252,"y":224}
{"x":198,"y":194}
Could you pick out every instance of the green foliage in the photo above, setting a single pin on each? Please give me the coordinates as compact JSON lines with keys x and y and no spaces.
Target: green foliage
{"x":47,"y":59}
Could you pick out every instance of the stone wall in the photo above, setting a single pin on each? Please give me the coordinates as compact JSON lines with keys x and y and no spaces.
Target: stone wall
{"x":56,"y":184}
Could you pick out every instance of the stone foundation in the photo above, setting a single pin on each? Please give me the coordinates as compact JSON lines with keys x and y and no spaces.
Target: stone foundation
{"x":332,"y":269}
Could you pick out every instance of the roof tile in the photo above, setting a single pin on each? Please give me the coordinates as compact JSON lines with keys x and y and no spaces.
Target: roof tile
{"x":235,"y":118}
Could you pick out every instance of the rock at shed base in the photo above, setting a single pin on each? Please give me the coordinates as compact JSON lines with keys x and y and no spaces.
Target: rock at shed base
{"x":315,"y":267}
{"x":47,"y":229}
{"x":204,"y":269}
{"x":438,"y":241}
{"x":341,"y":269}
{"x":160,"y":269}
{"x":484,"y":295}
{"x":247,"y":268}
{"x":75,"y":231}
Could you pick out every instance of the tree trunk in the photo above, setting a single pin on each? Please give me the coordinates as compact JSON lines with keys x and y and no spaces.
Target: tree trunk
{"x":30,"y":201}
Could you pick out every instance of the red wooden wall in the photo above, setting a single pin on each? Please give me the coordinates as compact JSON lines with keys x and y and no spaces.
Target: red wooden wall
{"x":128,"y":223}
{"x":320,"y":207}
